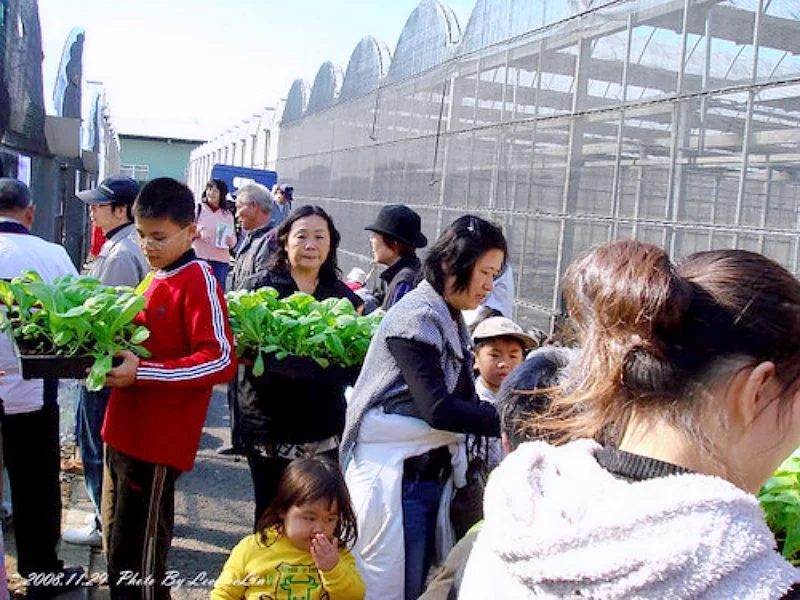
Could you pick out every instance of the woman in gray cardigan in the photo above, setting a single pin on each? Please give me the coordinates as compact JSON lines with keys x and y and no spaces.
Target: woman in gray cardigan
{"x":419,"y":365}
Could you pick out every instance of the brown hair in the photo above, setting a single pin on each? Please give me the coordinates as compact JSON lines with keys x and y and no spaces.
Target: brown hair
{"x":307,"y":480}
{"x":655,"y":336}
{"x":396,"y":245}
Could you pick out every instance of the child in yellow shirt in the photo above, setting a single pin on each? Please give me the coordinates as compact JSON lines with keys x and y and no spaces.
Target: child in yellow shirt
{"x":296,"y":553}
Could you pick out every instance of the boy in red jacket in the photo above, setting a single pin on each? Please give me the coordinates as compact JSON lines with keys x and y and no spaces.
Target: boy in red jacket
{"x":158,"y":406}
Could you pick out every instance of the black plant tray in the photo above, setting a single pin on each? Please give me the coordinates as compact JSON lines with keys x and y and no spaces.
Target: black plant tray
{"x":54,"y":367}
{"x":49,"y":366}
{"x":307,"y":369}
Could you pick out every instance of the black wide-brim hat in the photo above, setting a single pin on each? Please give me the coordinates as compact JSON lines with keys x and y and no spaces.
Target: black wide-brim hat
{"x":399,"y":222}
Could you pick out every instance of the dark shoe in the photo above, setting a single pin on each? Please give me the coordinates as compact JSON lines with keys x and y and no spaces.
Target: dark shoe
{"x":50,"y":585}
{"x":230,"y":451}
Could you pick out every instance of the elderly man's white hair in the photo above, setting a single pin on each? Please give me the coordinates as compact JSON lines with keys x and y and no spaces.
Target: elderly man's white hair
{"x":255,"y":193}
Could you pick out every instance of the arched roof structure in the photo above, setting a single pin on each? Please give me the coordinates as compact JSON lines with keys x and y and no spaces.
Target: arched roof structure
{"x":369,"y":63}
{"x":325,"y":90}
{"x":427,"y":39}
{"x":296,"y":101}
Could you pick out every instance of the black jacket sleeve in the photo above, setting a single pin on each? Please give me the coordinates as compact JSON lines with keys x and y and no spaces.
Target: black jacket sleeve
{"x":793,"y":593}
{"x":460,"y":411}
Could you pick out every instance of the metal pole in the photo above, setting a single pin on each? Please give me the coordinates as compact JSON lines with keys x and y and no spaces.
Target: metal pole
{"x":674,"y":184}
{"x":618,"y":158}
{"x":637,"y":202}
{"x":499,"y":153}
{"x":572,"y":174}
{"x":748,"y":126}
{"x":765,"y":208}
{"x":701,"y":142}
{"x":521,"y":265}
{"x":536,"y":96}
{"x":446,"y":155}
{"x":714,"y":202}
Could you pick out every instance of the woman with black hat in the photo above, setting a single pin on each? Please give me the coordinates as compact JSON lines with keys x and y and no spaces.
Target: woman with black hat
{"x":396,"y":234}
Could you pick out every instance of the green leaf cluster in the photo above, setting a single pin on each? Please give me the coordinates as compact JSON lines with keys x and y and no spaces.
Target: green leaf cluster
{"x":73,"y":316}
{"x":329,"y":331}
{"x":780,"y":499}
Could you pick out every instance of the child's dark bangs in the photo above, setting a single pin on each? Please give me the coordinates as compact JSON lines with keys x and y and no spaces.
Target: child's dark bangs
{"x":314,"y":491}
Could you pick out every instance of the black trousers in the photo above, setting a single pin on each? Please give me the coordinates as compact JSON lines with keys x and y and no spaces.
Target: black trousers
{"x":138,"y":521}
{"x":235,"y":412}
{"x":266,"y":473}
{"x":32,"y":456}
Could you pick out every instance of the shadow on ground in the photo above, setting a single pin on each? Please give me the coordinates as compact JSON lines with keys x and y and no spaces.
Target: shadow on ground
{"x":213,"y":507}
{"x":213,"y":511}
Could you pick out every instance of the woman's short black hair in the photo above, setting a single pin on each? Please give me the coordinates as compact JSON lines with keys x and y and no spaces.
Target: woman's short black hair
{"x":543,"y":371}
{"x":458,"y":249}
{"x":165,"y":198}
{"x":223,"y":192}
{"x":279,"y":259}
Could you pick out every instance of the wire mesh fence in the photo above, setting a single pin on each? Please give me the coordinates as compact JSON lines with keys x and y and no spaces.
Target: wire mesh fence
{"x":675,"y":122}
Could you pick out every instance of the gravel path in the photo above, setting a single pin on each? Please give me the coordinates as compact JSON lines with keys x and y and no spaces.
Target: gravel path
{"x":213,"y":508}
{"x":213,"y":511}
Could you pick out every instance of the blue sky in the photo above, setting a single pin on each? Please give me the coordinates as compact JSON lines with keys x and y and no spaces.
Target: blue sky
{"x":205,"y":65}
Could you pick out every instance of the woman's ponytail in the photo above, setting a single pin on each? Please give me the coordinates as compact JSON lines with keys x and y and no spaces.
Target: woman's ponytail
{"x":628,"y":305}
{"x":653,"y":335}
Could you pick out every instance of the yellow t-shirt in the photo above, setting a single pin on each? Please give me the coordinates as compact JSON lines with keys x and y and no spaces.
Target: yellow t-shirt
{"x":279,"y":570}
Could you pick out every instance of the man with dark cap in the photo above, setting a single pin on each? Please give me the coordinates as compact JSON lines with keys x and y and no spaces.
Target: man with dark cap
{"x":120,"y":262}
{"x":29,"y":415}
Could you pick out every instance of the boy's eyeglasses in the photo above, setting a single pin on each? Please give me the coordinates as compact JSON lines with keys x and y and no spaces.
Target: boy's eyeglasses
{"x":158,"y":244}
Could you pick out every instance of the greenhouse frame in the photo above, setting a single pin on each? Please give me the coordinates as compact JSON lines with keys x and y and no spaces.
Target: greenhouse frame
{"x":569,"y":122}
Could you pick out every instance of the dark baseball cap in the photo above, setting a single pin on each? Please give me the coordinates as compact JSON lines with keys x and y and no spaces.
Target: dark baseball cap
{"x":112,"y":189}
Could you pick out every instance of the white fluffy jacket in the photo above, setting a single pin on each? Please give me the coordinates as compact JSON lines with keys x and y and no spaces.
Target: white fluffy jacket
{"x":558,"y":525}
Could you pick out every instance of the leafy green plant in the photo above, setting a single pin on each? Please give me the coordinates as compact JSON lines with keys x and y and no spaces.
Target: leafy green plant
{"x":780,"y":498}
{"x":73,"y":316}
{"x":328,"y":331}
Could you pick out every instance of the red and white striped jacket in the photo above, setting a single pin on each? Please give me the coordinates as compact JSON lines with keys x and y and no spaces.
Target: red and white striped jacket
{"x":160,"y":417}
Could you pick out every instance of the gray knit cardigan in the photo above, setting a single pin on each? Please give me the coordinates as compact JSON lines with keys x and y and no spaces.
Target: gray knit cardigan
{"x":421,"y":315}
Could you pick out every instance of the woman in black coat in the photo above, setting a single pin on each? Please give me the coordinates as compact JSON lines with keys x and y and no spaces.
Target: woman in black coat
{"x":284,"y":415}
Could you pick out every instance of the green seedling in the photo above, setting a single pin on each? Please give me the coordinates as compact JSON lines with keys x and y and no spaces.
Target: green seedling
{"x":780,"y":499}
{"x":73,"y":316}
{"x":330,"y":331}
